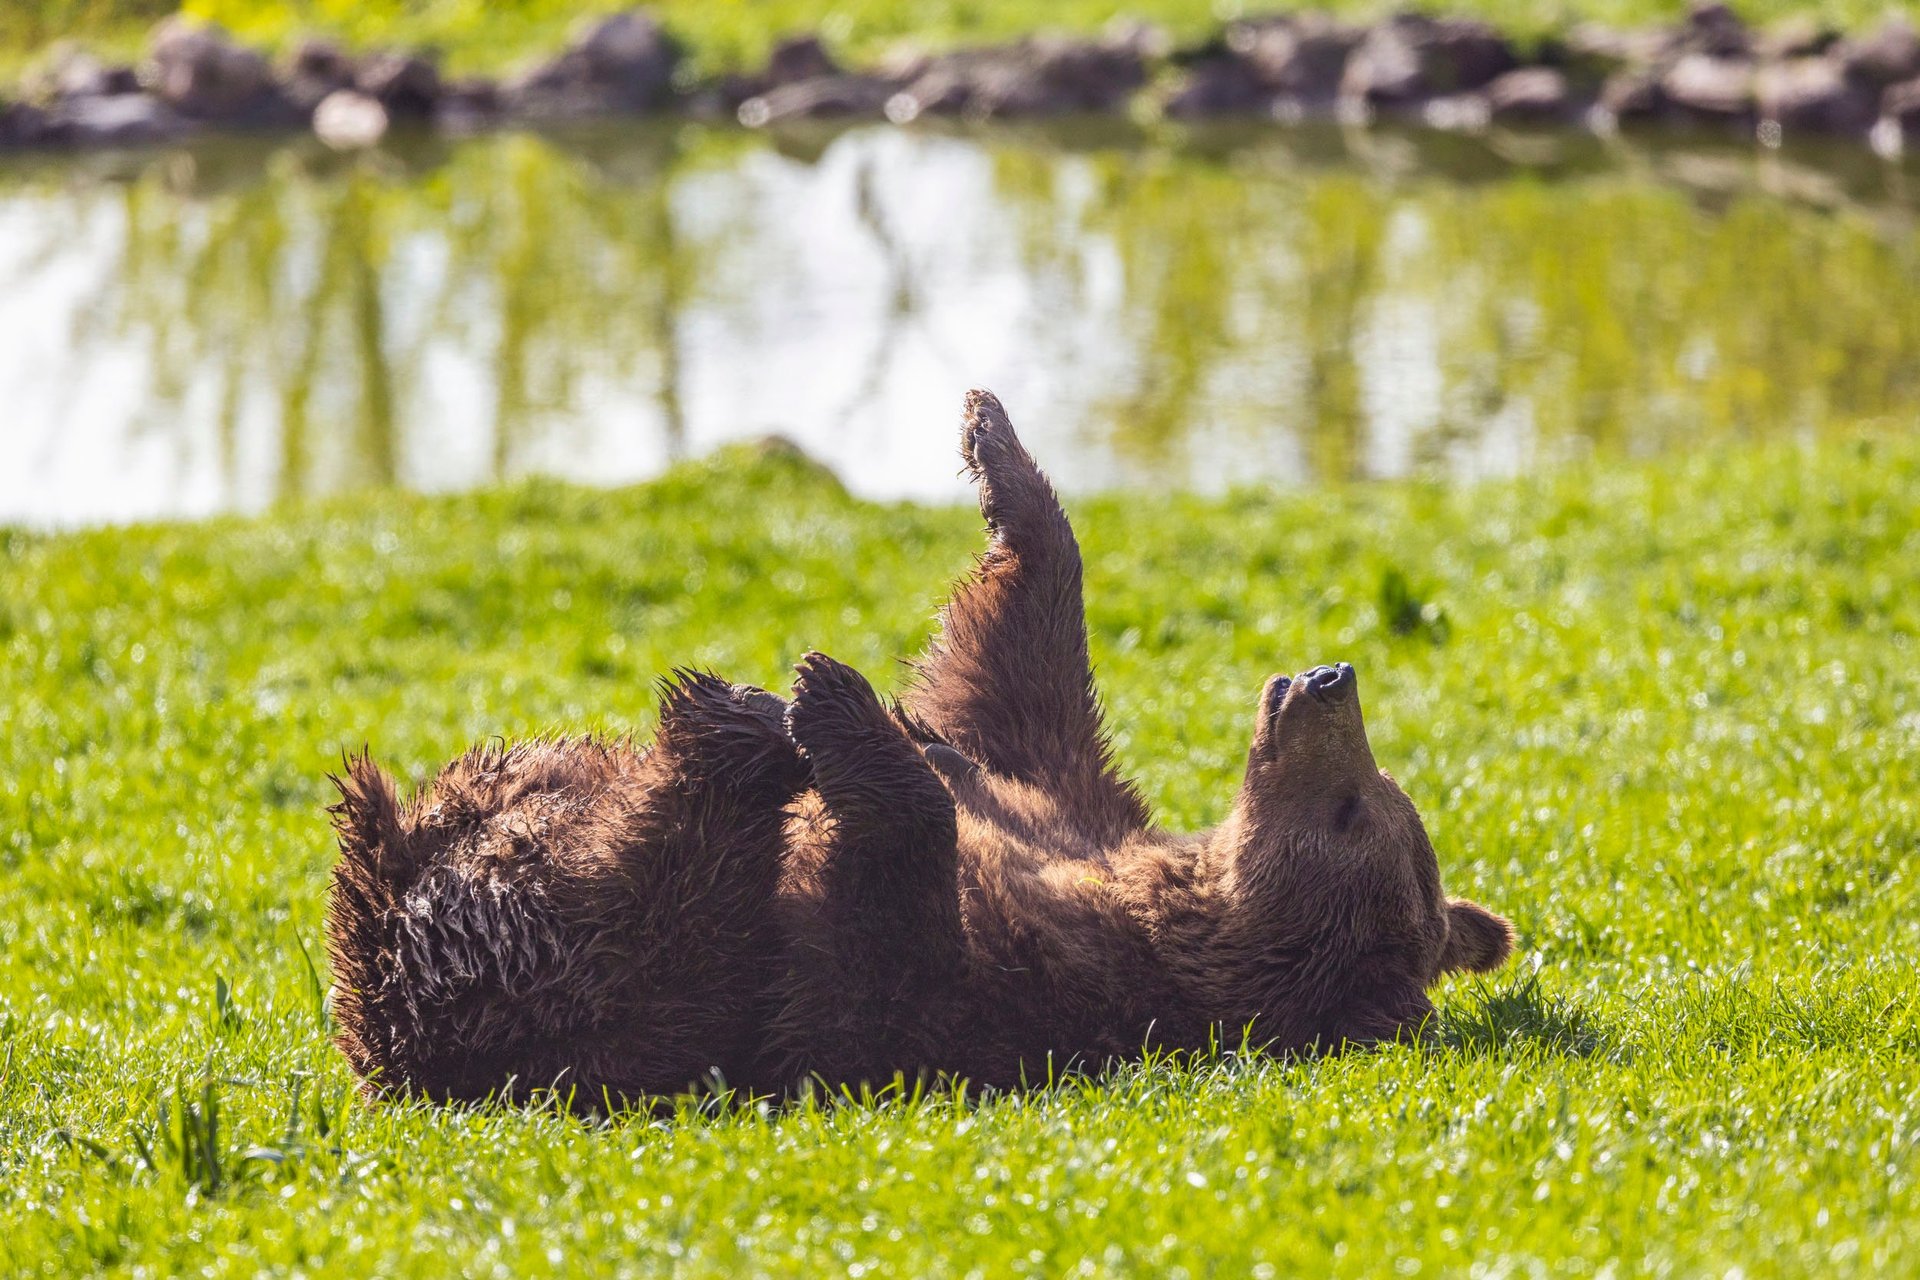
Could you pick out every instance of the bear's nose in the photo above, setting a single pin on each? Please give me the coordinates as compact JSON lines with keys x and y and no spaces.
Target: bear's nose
{"x":1324,"y":682}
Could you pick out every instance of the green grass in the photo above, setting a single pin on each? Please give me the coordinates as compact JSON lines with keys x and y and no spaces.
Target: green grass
{"x":1666,"y":718}
{"x":486,"y":35}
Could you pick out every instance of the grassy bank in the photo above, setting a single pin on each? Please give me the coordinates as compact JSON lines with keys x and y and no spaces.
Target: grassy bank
{"x":733,"y":33}
{"x":1664,"y":718}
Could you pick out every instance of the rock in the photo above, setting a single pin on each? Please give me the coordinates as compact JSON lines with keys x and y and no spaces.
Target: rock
{"x":1887,"y":138}
{"x":1047,"y":75}
{"x":1709,"y":88}
{"x":630,"y":51}
{"x":1901,"y":104}
{"x":74,"y":73}
{"x":821,"y":98}
{"x":198,"y":72}
{"x":124,"y":120}
{"x":347,"y":119}
{"x":24,"y":125}
{"x":1898,"y":128}
{"x":321,"y":60}
{"x":1886,"y":56}
{"x":1814,"y":95}
{"x":795,"y":59}
{"x":468,"y":106}
{"x":1074,"y":76}
{"x":620,"y":65}
{"x":949,"y":85}
{"x":407,"y":86}
{"x":318,"y":68}
{"x":1713,"y":29}
{"x":1302,"y":56}
{"x":555,"y":90}
{"x":1411,"y":58}
{"x":1531,"y":95}
{"x":1219,"y":86}
{"x":1457,"y":112}
{"x":1633,"y":94}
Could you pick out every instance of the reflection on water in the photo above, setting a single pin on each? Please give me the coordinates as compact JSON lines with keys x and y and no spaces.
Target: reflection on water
{"x":210,"y":329}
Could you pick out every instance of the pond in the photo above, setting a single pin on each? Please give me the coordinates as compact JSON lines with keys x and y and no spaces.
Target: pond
{"x":212,"y":329}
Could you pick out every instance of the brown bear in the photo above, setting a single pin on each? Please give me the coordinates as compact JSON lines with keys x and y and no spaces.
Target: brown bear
{"x":960,"y":886}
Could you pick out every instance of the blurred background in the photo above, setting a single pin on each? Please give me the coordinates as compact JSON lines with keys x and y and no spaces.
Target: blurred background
{"x":208,"y":307}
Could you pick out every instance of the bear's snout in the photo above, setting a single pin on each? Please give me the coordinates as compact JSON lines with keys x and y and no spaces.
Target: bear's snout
{"x":1337,"y":680}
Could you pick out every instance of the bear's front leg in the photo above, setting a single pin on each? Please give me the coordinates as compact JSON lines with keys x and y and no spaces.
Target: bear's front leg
{"x":889,"y":883}
{"x":1008,"y":681}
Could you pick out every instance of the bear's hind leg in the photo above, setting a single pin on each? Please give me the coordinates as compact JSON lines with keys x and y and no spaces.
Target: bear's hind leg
{"x":698,"y":883}
{"x":888,"y":881}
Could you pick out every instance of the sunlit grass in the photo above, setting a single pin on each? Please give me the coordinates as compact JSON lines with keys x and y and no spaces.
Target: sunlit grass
{"x":1669,"y":726}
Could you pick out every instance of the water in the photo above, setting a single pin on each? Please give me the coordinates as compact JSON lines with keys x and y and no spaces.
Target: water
{"x":213,"y":329}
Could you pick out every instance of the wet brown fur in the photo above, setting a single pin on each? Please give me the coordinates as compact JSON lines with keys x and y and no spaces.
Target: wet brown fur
{"x":569,"y":913}
{"x":960,"y":885}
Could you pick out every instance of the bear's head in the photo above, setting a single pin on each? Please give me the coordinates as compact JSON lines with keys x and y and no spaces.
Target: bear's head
{"x":1336,"y":887}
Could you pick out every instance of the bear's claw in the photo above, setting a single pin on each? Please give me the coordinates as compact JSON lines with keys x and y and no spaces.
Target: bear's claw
{"x":710,"y":719}
{"x":831,"y":700}
{"x":983,"y":424}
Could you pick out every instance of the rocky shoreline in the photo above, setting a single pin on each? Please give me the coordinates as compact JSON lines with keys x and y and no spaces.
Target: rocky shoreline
{"x":1707,"y":71}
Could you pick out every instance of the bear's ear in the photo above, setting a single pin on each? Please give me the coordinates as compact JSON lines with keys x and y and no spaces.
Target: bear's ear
{"x":1477,"y":939}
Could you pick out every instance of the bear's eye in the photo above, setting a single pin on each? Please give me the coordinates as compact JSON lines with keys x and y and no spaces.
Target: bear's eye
{"x":1347,"y":814}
